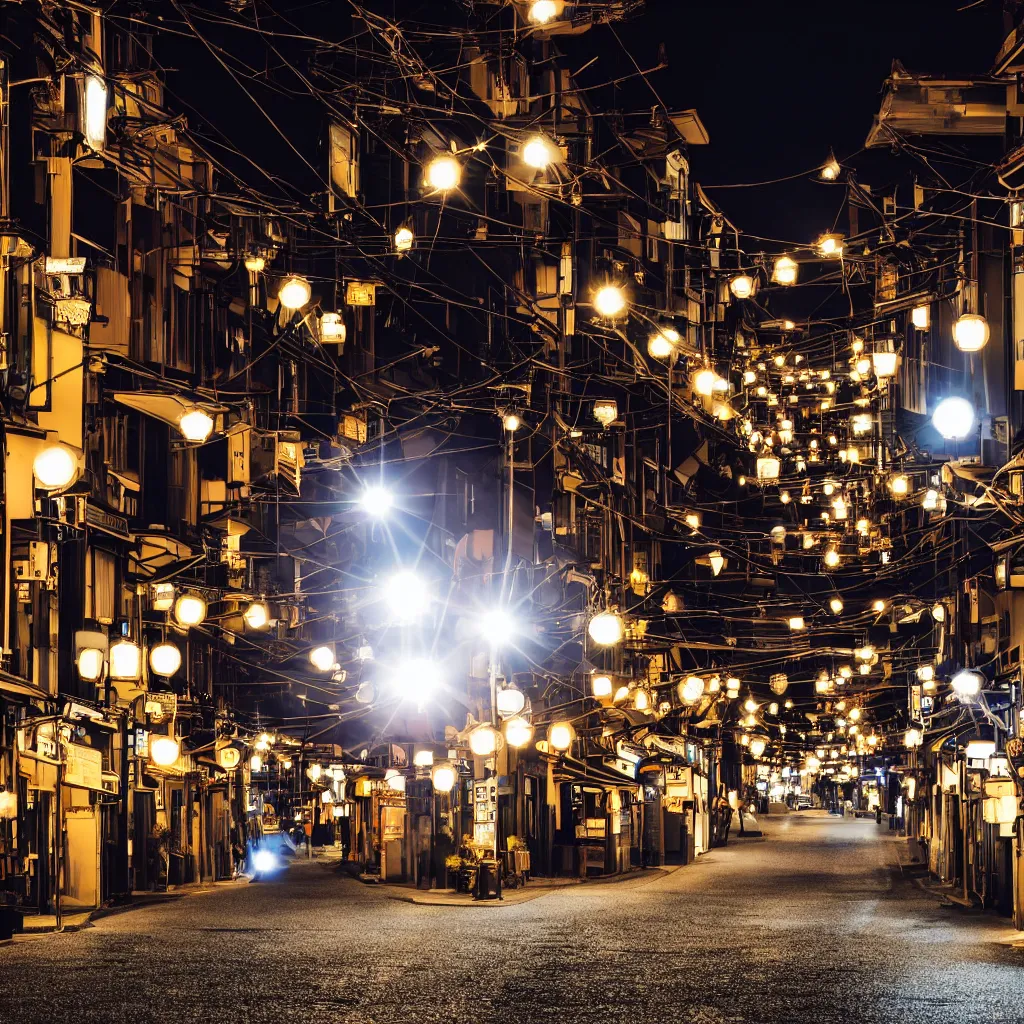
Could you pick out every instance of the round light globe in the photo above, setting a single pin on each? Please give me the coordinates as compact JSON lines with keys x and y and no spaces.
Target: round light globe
{"x":606,"y":628}
{"x":164,"y":659}
{"x":971,"y":332}
{"x":163,"y":750}
{"x":953,"y":418}
{"x":294,"y":293}
{"x":189,"y":610}
{"x":55,"y":467}
{"x":195,"y":425}
{"x":610,"y":301}
{"x":444,"y":173}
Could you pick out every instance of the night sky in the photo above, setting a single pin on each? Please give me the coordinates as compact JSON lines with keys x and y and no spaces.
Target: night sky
{"x":777,"y":84}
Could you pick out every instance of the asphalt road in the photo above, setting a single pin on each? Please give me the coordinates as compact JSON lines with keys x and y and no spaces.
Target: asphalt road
{"x":813,"y":924}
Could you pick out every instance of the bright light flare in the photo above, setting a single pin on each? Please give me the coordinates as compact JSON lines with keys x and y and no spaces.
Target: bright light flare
{"x":376,"y":502}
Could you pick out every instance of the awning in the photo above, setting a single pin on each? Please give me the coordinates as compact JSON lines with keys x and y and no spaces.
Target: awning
{"x":568,"y":769}
{"x":164,"y":407}
{"x":16,"y":687}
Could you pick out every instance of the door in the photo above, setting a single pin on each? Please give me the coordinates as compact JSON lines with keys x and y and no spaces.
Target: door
{"x":81,"y":858}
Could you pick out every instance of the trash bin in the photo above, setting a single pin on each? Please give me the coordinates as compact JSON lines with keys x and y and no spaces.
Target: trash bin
{"x":488,"y":880}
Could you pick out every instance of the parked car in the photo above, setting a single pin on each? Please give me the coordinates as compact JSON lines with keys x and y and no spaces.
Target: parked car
{"x":804,"y":802}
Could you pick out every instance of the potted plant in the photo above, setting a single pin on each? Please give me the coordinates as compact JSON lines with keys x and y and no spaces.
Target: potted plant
{"x":453,"y":863}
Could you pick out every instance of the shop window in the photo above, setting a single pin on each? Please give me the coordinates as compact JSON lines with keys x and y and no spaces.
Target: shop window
{"x":100,"y":585}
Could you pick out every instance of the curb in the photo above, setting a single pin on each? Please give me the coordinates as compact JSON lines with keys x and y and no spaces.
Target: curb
{"x":641,"y":879}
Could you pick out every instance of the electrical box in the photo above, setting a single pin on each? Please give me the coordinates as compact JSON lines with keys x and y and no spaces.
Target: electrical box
{"x":37,"y":565}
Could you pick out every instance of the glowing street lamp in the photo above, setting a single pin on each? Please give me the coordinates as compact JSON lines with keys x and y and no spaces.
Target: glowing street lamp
{"x":376,"y":501}
{"x":444,"y":173}
{"x":294,"y":293}
{"x":606,"y":629}
{"x":322,"y":658}
{"x":189,"y":610}
{"x":443,"y":778}
{"x":742,"y":286}
{"x":405,"y":596}
{"x":90,"y":663}
{"x":543,"y":11}
{"x":953,"y":418}
{"x":561,"y":735}
{"x":966,"y":684}
{"x":404,"y":239}
{"x":538,"y":152}
{"x":257,"y":615}
{"x":55,"y":467}
{"x":499,"y":627}
{"x":195,"y":425}
{"x":785,"y":271}
{"x":125,"y":660}
{"x":163,"y":750}
{"x":971,"y":332}
{"x":610,"y":301}
{"x":518,"y":732}
{"x":484,"y":740}
{"x":164,"y":659}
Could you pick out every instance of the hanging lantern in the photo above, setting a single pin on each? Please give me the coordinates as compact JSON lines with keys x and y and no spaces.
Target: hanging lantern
{"x":164,"y":659}
{"x":294,"y":293}
{"x":561,"y":735}
{"x":443,"y":778}
{"x":518,"y":732}
{"x":189,"y":610}
{"x":606,"y":628}
{"x":971,"y":332}
{"x":163,"y":750}
{"x":125,"y":660}
{"x":55,"y":467}
{"x":90,"y":663}
{"x":483,"y":740}
{"x":510,"y":701}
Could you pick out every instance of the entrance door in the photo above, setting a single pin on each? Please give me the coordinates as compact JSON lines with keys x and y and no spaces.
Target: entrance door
{"x":81,"y":858}
{"x":142,"y":817}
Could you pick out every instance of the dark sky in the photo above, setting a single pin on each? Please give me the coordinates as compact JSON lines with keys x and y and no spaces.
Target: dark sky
{"x":777,"y":84}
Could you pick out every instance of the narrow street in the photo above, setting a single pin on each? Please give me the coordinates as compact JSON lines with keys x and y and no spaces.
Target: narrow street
{"x":812,"y":924}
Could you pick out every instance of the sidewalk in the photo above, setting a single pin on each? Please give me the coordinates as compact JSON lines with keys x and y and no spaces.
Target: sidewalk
{"x":74,"y":919}
{"x":510,"y":897}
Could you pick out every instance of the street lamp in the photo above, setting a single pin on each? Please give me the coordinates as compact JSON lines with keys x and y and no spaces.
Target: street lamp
{"x":90,"y":663}
{"x":404,"y":239}
{"x":561,"y":735}
{"x":953,"y":418}
{"x":163,"y":750}
{"x":164,"y":659}
{"x":483,"y":740}
{"x":518,"y":732}
{"x":55,"y":467}
{"x":125,"y":660}
{"x":406,"y":596}
{"x":971,"y":332}
{"x":785,"y":271}
{"x":498,"y":627}
{"x":376,"y":501}
{"x":322,"y":658}
{"x":257,"y":615}
{"x":610,"y":301}
{"x":967,"y":683}
{"x":444,"y":173}
{"x":294,"y":293}
{"x":538,"y":153}
{"x":443,"y":778}
{"x":606,"y":628}
{"x":189,"y":610}
{"x":195,"y":425}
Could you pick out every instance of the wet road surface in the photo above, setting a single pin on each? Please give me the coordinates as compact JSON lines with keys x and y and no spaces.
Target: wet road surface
{"x":813,"y":924}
